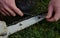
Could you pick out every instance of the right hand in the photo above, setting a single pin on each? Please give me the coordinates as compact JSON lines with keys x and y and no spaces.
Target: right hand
{"x":54,"y":5}
{"x":8,"y":7}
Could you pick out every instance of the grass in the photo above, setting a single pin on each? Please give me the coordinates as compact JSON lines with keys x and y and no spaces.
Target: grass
{"x":42,"y":29}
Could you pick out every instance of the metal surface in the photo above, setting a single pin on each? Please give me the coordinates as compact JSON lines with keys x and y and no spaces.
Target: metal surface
{"x":24,"y":24}
{"x":5,"y":31}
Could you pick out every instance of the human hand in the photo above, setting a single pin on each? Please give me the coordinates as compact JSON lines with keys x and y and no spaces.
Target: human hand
{"x":8,"y":7}
{"x":54,"y":5}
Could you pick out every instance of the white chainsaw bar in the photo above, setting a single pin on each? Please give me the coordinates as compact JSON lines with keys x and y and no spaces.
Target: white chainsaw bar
{"x":24,"y":24}
{"x":21,"y":25}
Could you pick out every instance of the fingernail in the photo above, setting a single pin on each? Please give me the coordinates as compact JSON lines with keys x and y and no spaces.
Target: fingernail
{"x":57,"y":19}
{"x":22,"y":14}
{"x":14,"y":15}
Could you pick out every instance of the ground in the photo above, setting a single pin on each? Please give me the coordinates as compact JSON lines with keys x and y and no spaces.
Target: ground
{"x":43,"y":29}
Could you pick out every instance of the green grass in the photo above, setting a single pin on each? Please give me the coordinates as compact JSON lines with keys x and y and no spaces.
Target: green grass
{"x":42,"y":29}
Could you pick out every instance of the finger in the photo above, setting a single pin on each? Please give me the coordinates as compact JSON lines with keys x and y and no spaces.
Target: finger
{"x":2,"y":13}
{"x":56,"y":17}
{"x":50,"y":11}
{"x":9,"y":10}
{"x":17,"y":11}
{"x":2,"y":9}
